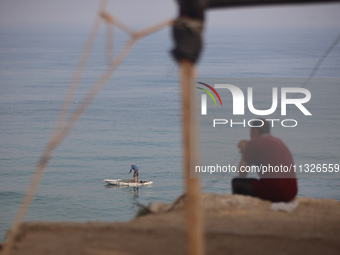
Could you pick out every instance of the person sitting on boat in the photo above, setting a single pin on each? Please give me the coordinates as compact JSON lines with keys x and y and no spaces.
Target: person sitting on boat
{"x":135,"y":173}
{"x":268,"y":154}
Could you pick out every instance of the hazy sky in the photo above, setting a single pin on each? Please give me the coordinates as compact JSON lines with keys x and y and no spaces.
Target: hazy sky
{"x":147,"y":12}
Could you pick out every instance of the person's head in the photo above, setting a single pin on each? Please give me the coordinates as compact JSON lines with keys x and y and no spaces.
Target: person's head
{"x":131,"y":164}
{"x":259,"y":127}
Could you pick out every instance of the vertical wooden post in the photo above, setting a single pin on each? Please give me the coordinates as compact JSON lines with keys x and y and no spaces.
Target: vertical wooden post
{"x":193,"y":206}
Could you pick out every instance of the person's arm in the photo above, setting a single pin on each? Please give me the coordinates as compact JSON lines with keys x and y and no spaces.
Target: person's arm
{"x":242,"y":146}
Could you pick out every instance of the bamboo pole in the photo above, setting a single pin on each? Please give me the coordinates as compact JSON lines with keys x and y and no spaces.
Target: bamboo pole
{"x":193,"y":204}
{"x":80,"y":69}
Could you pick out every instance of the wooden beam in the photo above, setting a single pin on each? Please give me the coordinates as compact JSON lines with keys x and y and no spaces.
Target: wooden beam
{"x":193,"y":204}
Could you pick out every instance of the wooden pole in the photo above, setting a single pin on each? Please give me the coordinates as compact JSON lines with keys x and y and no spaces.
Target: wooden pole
{"x":193,"y":204}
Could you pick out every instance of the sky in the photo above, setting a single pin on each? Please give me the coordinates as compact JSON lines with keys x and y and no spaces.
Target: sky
{"x":143,"y":13}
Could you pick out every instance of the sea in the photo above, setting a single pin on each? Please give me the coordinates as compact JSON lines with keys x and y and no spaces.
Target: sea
{"x":136,"y":117}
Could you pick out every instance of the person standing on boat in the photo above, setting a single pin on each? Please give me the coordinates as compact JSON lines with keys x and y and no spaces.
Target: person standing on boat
{"x":135,"y":173}
{"x":274,"y":164}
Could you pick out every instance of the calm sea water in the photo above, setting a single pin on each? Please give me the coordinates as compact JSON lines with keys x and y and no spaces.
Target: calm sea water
{"x":136,"y":117}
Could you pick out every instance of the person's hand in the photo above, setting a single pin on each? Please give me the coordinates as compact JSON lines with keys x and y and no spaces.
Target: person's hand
{"x":242,"y":145}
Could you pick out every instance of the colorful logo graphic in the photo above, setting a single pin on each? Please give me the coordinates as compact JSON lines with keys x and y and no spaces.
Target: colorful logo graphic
{"x":204,"y":97}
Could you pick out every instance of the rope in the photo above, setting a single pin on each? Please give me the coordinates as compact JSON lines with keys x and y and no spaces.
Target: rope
{"x":63,"y":127}
{"x":79,"y":69}
{"x":318,"y":64}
